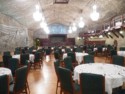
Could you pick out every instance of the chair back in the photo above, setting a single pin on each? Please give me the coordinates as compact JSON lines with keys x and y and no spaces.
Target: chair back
{"x":20,"y":79}
{"x":99,"y":49}
{"x":122,"y":48}
{"x":48,"y":51}
{"x":6,"y":53}
{"x":92,"y":83}
{"x":37,"y":57}
{"x":113,"y":52}
{"x":13,"y":65}
{"x":56,"y":55}
{"x":24,"y":58}
{"x":17,"y":52}
{"x":88,"y":59}
{"x":67,"y":50}
{"x":66,"y":81}
{"x":68,"y":63}
{"x":78,"y":49}
{"x":118,"y":60}
{"x":72,"y":55}
{"x":6,"y":60}
{"x":4,"y":84}
{"x":56,"y":66}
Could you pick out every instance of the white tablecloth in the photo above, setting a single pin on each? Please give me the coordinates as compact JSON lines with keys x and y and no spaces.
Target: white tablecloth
{"x":103,"y":49}
{"x":31,"y":57}
{"x":121,"y":53}
{"x":79,"y":56}
{"x":6,"y":71}
{"x":114,"y":74}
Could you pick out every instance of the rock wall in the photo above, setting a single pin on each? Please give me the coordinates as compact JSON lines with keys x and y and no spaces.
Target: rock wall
{"x":12,"y":34}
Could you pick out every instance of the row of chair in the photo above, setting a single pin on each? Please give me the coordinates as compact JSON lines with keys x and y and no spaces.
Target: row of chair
{"x":8,"y":60}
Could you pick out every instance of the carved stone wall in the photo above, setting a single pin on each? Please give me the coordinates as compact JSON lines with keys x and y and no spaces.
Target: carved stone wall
{"x":12,"y":34}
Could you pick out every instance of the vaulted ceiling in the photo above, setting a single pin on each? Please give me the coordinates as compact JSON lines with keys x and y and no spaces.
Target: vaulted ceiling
{"x":22,"y":11}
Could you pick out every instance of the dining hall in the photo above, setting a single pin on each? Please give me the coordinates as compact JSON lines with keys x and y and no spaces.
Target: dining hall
{"x":62,"y":46}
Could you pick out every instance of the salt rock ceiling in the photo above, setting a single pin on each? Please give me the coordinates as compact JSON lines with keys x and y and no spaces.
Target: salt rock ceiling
{"x":22,"y":11}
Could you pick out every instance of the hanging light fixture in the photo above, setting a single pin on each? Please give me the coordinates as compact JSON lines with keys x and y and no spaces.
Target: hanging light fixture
{"x":94,"y":15}
{"x":81,"y":24}
{"x":43,"y":24}
{"x":37,"y":15}
{"x":70,"y":30}
{"x":74,"y":28}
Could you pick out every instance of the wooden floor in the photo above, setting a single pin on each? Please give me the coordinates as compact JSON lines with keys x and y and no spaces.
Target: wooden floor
{"x":43,"y":81}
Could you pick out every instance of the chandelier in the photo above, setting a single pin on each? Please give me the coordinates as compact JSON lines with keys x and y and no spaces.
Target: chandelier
{"x":94,"y":15}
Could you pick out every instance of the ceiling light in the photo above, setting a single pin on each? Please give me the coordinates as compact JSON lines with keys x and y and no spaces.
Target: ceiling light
{"x":78,"y":38}
{"x":43,"y":24}
{"x":101,"y":36}
{"x":37,"y":7}
{"x":109,"y":33}
{"x":70,"y":30}
{"x":74,"y":28}
{"x":81,"y":24}
{"x":91,"y":37}
{"x":121,"y":32}
{"x":37,"y":16}
{"x":46,"y":29}
{"x":94,"y":15}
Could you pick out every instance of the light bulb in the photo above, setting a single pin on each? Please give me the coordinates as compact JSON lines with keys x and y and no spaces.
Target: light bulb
{"x":109,"y":33}
{"x":37,"y":7}
{"x":121,"y":32}
{"x":101,"y":36}
{"x":70,"y":30}
{"x":46,"y":29}
{"x":81,"y":24}
{"x":43,"y":24}
{"x":94,"y":16}
{"x":74,"y":28}
{"x":94,"y":7}
{"x":37,"y":16}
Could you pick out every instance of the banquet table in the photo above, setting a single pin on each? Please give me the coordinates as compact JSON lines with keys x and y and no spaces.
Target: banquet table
{"x":6,"y":71}
{"x":114,"y":74}
{"x":121,"y":53}
{"x":31,"y":57}
{"x":79,"y":56}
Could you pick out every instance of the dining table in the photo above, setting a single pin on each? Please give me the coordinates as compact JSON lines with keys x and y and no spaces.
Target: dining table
{"x":121,"y":53}
{"x":79,"y":56}
{"x":114,"y":74}
{"x":31,"y":57}
{"x":6,"y":71}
